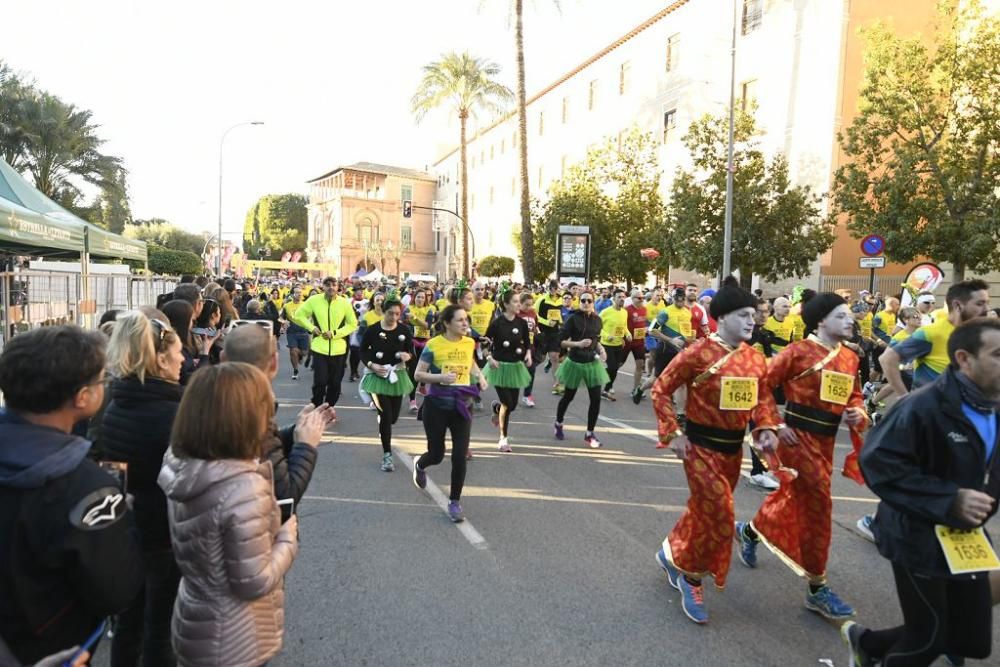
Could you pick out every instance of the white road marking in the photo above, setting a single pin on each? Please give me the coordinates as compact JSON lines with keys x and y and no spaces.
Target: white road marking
{"x":630,"y":429}
{"x":468,"y":531}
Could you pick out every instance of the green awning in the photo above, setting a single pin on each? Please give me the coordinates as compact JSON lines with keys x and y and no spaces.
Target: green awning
{"x":36,"y":235}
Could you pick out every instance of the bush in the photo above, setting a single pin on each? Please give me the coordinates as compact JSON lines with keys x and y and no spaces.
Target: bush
{"x":173,"y":262}
{"x":493,"y":266}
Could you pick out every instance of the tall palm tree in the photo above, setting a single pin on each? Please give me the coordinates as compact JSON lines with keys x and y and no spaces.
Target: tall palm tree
{"x":465,"y":85}
{"x":527,"y":234}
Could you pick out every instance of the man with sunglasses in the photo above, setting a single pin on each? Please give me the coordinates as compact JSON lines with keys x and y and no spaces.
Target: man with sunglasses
{"x":331,"y":320}
{"x":70,"y":554}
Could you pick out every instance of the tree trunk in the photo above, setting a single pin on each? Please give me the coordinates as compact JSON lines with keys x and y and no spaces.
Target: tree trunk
{"x":463,"y":119}
{"x":527,"y":234}
{"x":959,"y":273}
{"x":746,"y":278}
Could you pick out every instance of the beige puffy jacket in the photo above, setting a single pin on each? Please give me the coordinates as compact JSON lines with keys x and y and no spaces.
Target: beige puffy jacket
{"x":233,"y":553}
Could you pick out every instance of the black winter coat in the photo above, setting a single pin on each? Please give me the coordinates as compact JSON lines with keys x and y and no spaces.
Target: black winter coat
{"x":916,"y":459}
{"x":136,"y":430}
{"x":293,"y":464}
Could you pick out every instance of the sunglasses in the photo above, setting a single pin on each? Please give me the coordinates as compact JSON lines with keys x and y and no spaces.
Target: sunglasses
{"x":586,"y":301}
{"x":263,"y":324}
{"x":160,"y":329}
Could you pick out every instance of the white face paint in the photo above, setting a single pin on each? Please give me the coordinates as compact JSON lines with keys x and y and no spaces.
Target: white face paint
{"x":838,"y":324}
{"x":737,"y":326}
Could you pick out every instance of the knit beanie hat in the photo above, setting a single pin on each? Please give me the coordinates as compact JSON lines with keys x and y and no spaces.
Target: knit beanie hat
{"x":730,"y":297}
{"x":818,"y":307}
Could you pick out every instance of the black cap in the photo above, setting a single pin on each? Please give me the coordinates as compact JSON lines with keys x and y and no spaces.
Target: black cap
{"x":818,"y":307}
{"x":729,"y":298}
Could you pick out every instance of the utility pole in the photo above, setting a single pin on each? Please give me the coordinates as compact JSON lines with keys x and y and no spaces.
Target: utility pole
{"x":727,"y":234}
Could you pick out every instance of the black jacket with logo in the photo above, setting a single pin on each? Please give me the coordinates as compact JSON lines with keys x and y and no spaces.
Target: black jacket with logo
{"x":916,"y":459}
{"x":69,"y":555}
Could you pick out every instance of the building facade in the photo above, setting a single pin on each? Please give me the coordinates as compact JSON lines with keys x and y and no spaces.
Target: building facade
{"x":356,"y":220}
{"x":799,"y":61}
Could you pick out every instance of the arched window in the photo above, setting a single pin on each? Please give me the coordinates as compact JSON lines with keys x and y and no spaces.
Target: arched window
{"x":367,"y":230}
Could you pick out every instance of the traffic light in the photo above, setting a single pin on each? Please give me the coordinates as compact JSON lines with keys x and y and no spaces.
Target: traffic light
{"x":407,"y":208}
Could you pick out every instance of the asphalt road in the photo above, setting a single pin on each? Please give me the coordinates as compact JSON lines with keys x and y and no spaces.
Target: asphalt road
{"x":555,"y":563}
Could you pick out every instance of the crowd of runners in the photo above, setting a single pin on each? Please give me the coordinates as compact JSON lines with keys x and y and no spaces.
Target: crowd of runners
{"x":723,"y":369}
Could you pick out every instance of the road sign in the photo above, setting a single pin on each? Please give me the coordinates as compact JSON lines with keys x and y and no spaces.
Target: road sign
{"x":872,"y":262}
{"x":872,"y":245}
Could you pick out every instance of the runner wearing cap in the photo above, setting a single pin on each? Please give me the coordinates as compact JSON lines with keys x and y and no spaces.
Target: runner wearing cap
{"x":637,"y":326}
{"x":725,"y":377}
{"x":819,"y":377}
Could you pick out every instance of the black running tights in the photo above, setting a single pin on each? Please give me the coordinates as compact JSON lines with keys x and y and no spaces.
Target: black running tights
{"x":508,"y":403}
{"x":940,"y":616}
{"x":388,"y":412}
{"x":592,"y":412}
{"x":437,"y":422}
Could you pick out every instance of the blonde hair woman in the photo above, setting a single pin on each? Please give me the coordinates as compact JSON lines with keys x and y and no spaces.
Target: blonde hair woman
{"x":232,"y":548}
{"x":145,"y":358}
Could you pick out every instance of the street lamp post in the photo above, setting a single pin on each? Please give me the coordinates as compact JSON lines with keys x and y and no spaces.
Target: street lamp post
{"x":727,"y":234}
{"x":222,"y":143}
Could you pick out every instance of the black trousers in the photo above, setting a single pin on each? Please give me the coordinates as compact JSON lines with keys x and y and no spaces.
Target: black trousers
{"x":437,"y":422}
{"x":592,"y":412}
{"x":508,"y":403}
{"x":940,"y":616}
{"x":388,"y":412}
{"x":328,"y":373}
{"x":143,"y":629}
{"x":616,"y":357}
{"x":411,"y":368}
{"x":355,"y":360}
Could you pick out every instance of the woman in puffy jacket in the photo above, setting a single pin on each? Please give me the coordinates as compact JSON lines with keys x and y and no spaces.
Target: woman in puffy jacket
{"x":144,"y":357}
{"x":229,"y":542}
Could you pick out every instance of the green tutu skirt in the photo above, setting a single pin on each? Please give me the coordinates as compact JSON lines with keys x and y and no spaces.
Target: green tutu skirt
{"x":572,"y":374}
{"x":510,"y":375}
{"x":374,"y":384}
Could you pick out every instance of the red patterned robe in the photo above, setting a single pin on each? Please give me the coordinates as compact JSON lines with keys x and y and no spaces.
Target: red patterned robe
{"x":794,"y":521}
{"x":700,"y":544}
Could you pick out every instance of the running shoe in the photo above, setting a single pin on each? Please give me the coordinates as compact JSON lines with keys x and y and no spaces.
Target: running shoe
{"x":295,"y":374}
{"x":547,"y":366}
{"x":609,"y":394}
{"x":954,"y":660}
{"x":851,"y":632}
{"x":495,"y":417}
{"x":468,"y":453}
{"x":591,"y":440}
{"x":558,"y":389}
{"x":387,"y":464}
{"x":692,"y":600}
{"x":637,"y":395}
{"x":672,"y":574}
{"x":478,"y":405}
{"x":528,"y":401}
{"x":419,"y":476}
{"x":413,"y":405}
{"x":748,"y":547}
{"x":557,"y":429}
{"x":353,"y":378}
{"x":455,"y":512}
{"x":504,"y":446}
{"x":826,"y":603}
{"x":764,"y":480}
{"x":864,"y":526}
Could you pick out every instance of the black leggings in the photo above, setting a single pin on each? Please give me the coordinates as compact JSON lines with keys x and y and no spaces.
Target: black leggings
{"x":940,"y":616}
{"x":436,"y":423}
{"x":616,"y":356}
{"x":388,"y":413}
{"x":354,"y":360}
{"x":531,"y":371}
{"x":411,"y":368}
{"x":592,"y":411}
{"x":508,"y":403}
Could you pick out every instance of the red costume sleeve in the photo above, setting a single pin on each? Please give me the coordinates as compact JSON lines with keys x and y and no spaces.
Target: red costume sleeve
{"x":680,"y":371}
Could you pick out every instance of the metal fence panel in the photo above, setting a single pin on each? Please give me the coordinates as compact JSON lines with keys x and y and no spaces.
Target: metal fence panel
{"x":887,"y":285}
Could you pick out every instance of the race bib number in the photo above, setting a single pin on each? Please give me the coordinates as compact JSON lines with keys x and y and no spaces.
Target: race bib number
{"x":640,"y":332}
{"x":461,"y":372}
{"x":836,"y":387}
{"x":966,"y":550}
{"x":480,"y":321}
{"x":686,"y":329}
{"x":420,"y":330}
{"x":738,"y":393}
{"x":619,"y":332}
{"x":555,"y":315}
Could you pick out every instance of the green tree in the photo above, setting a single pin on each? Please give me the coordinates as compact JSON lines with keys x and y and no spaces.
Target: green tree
{"x":614,"y":192}
{"x":277,"y":222}
{"x":115,"y":210}
{"x":18,"y":100}
{"x":464,"y":85}
{"x":778,"y":229}
{"x":159,"y":232}
{"x":165,"y":261}
{"x":494,"y":266}
{"x":924,"y":146}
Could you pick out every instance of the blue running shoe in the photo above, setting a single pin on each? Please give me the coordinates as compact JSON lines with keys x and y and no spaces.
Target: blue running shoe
{"x":748,"y":547}
{"x":419,"y":476}
{"x":557,"y":431}
{"x":692,"y":601}
{"x":672,"y":574}
{"x":455,"y":512}
{"x":864,"y":525}
{"x":826,"y":603}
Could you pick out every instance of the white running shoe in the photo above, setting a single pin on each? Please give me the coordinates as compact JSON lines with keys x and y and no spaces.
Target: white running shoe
{"x":864,"y":526}
{"x":504,"y":446}
{"x":528,"y":401}
{"x":765,"y":480}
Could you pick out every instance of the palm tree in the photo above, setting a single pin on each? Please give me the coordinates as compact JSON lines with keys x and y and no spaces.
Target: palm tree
{"x":465,"y":85}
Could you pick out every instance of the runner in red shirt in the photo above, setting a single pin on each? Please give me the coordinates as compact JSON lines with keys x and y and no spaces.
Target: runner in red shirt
{"x":637,"y":324}
{"x":699,"y":318}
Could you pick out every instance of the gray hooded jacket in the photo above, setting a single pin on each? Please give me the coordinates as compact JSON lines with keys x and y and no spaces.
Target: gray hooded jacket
{"x":233,"y":553}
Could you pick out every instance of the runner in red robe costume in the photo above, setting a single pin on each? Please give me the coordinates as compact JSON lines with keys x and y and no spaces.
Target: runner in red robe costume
{"x":820,"y":380}
{"x":725,"y":380}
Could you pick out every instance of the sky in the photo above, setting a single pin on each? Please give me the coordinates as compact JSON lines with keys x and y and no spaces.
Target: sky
{"x":331,"y":81}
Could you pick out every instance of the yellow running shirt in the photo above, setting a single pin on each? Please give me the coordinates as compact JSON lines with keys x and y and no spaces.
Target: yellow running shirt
{"x":480,"y":315}
{"x":614,"y":326}
{"x":418,"y":319}
{"x":445,"y":356}
{"x":783,"y":332}
{"x":679,"y":321}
